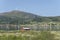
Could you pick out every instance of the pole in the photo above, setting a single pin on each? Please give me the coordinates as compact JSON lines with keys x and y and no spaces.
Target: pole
{"x":50,"y":26}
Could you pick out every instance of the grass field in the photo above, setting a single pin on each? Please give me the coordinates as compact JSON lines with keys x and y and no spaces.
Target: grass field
{"x":30,"y":35}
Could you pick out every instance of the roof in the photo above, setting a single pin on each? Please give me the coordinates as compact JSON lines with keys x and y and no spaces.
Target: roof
{"x":26,"y":28}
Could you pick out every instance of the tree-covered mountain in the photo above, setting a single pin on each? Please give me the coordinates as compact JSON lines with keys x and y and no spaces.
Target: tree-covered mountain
{"x":15,"y":17}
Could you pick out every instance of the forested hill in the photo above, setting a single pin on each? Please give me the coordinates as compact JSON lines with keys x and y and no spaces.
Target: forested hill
{"x":15,"y":17}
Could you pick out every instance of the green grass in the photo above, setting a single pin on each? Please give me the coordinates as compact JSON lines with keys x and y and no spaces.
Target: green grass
{"x":30,"y":35}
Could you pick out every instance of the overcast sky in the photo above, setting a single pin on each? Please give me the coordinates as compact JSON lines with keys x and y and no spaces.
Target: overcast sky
{"x":39,"y":7}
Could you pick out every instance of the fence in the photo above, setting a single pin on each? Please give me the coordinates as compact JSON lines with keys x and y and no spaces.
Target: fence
{"x":32,"y":27}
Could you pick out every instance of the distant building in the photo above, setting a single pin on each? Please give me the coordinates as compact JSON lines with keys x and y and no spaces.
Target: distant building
{"x":25,"y":28}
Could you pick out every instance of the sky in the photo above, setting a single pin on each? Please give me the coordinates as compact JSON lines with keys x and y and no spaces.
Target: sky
{"x":39,"y":7}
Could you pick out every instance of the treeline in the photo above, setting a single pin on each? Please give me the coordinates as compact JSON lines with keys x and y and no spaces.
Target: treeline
{"x":20,"y":20}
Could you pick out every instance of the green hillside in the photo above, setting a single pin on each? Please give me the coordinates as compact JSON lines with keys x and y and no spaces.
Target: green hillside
{"x":15,"y":16}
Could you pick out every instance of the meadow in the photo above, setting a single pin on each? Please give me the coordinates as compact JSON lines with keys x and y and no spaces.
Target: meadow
{"x":30,"y":35}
